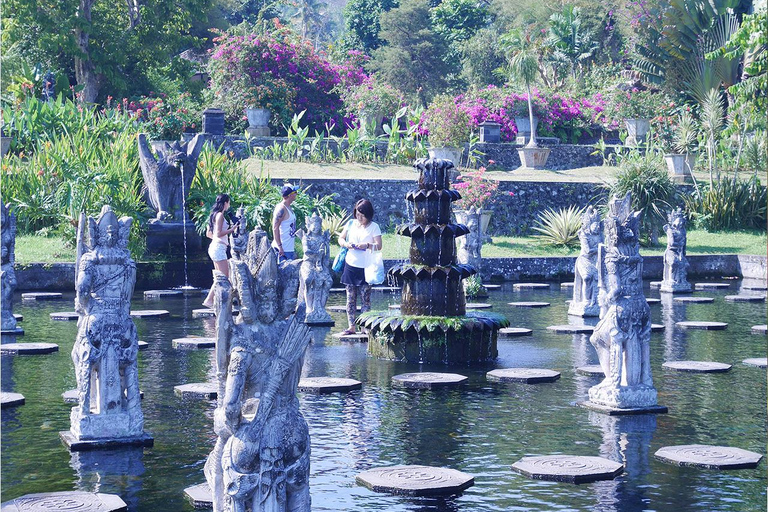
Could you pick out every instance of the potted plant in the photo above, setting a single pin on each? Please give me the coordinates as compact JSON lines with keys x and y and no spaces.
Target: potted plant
{"x":523,"y":65}
{"x":685,"y":141}
{"x":448,"y":128}
{"x":477,"y":192}
{"x":637,"y":108}
{"x":369,"y":102}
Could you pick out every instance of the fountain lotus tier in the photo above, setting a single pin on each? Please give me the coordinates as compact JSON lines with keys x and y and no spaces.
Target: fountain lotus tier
{"x":432,"y":325}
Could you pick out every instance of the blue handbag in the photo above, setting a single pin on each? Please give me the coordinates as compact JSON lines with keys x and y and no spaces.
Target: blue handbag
{"x":338,"y":262}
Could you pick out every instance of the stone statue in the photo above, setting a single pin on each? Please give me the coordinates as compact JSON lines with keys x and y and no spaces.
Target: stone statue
{"x":106,"y":349}
{"x":7,"y":274}
{"x":675,"y":262}
{"x":622,"y":337}
{"x":315,"y":278}
{"x":471,"y":244}
{"x":261,"y":458}
{"x":584,"y":301}
{"x":168,"y":178}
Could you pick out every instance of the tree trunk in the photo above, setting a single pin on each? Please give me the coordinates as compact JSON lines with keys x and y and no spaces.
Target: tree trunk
{"x":532,"y":143}
{"x":85,"y":74}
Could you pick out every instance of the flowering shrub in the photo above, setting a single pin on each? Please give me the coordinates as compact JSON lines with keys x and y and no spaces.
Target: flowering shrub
{"x":164,"y":118}
{"x":476,"y":191}
{"x":446,"y":123}
{"x":371,"y":97}
{"x":636,"y":104}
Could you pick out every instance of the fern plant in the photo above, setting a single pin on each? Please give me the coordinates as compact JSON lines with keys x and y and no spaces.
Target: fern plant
{"x":559,"y":228}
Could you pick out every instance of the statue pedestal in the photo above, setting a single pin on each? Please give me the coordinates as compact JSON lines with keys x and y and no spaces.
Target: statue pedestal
{"x":168,"y":238}
{"x":76,"y":445}
{"x":617,"y":411}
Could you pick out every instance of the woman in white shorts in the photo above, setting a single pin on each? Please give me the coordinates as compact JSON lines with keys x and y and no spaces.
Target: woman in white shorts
{"x":219,"y":235}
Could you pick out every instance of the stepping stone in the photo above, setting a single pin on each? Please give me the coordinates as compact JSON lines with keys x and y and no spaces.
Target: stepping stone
{"x":708,"y":326}
{"x":592,"y":370}
{"x":203,"y":313}
{"x":755,"y":286}
{"x":572,"y":329}
{"x":65,"y":315}
{"x":28,"y":349}
{"x":745,"y":298}
{"x":385,"y":288}
{"x":652,"y":301}
{"x":710,"y":457}
{"x":17,"y":331}
{"x":67,"y":500}
{"x":526,"y":375}
{"x":694,"y":300}
{"x":199,"y":495}
{"x":568,"y":468}
{"x":711,"y":286}
{"x":530,"y":286}
{"x":343,"y":309}
{"x":515,"y":331}
{"x":655,"y":285}
{"x":479,"y":305}
{"x":529,"y":304}
{"x":10,"y":400}
{"x":150,"y":313}
{"x":492,"y":287}
{"x":657,"y":327}
{"x":209,"y":390}
{"x":193,"y":343}
{"x":19,"y":318}
{"x":415,"y":480}
{"x":566,"y":285}
{"x":759,"y":329}
{"x":338,"y":290}
{"x":143,"y":345}
{"x":191,"y":291}
{"x":762,"y":362}
{"x":350,"y":337}
{"x":156,"y":294}
{"x":394,"y":306}
{"x":328,"y":384}
{"x":697,"y":366}
{"x":427,"y":380}
{"x":41,"y":296}
{"x":70,"y":396}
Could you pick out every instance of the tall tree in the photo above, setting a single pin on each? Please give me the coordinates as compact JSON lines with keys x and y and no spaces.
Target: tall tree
{"x":362,"y":23}
{"x":573,"y":44}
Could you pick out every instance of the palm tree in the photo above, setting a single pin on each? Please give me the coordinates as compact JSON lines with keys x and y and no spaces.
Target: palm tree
{"x":522,"y":65}
{"x":569,"y":40}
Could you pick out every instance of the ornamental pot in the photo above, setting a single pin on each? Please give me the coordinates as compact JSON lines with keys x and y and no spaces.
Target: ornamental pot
{"x":533,"y":157}
{"x":637,"y":129}
{"x":258,"y":121}
{"x":485,"y":219}
{"x":524,"y":129}
{"x":371,"y":120}
{"x":680,"y":167}
{"x":447,"y":153}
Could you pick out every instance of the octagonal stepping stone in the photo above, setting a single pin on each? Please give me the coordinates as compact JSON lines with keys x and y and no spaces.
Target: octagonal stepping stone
{"x":655,"y":285}
{"x":65,"y":315}
{"x":342,"y":309}
{"x":745,"y":298}
{"x":11,"y":399}
{"x":209,"y":390}
{"x":759,"y":329}
{"x":657,"y":327}
{"x":710,"y":457}
{"x":697,"y":366}
{"x":28,"y":349}
{"x":526,"y":375}
{"x":529,"y":304}
{"x":19,"y":318}
{"x":328,"y":384}
{"x":428,"y":380}
{"x":415,"y":480}
{"x":711,"y":286}
{"x":199,"y":495}
{"x":568,"y":468}
{"x":591,"y":370}
{"x":338,"y":290}
{"x":193,"y":343}
{"x":41,"y":296}
{"x":357,"y":337}
{"x":762,"y":362}
{"x":530,"y":286}
{"x":651,"y":301}
{"x":157,"y":294}
{"x":479,"y":305}
{"x":755,"y":286}
{"x":515,"y":331}
{"x":707,"y":326}
{"x":203,"y":313}
{"x":572,"y":329}
{"x":67,"y":500}
{"x":150,"y":313}
{"x":566,"y":285}
{"x":143,"y":345}
{"x":385,"y":288}
{"x":492,"y":287}
{"x":694,"y":300}
{"x":70,"y":396}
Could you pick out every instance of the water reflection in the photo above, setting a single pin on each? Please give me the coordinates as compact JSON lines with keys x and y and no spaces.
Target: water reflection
{"x":114,"y":471}
{"x":674,"y":339}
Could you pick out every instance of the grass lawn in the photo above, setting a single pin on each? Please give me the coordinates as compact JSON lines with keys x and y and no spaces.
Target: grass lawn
{"x":36,"y":249}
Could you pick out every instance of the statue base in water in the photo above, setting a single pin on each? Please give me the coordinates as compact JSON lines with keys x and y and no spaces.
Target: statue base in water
{"x":168,"y":238}
{"x":617,"y":411}
{"x":78,"y":445}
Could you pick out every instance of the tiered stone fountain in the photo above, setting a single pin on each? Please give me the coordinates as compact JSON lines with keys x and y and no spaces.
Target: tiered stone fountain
{"x":433,"y":325}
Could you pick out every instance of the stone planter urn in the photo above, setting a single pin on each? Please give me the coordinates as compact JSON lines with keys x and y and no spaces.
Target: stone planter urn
{"x":680,"y":167}
{"x":485,"y":220}
{"x":371,"y":120}
{"x":524,"y":129}
{"x":637,"y":129}
{"x":258,"y":121}
{"x":447,"y":153}
{"x":533,"y":157}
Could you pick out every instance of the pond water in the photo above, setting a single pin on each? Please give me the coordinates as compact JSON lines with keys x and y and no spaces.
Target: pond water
{"x":480,"y":429}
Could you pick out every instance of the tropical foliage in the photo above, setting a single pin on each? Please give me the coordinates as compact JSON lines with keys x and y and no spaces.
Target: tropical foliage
{"x":559,"y":228}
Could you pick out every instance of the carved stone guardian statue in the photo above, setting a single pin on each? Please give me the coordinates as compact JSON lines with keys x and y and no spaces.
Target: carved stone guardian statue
{"x":315,"y":277}
{"x":584,"y":301}
{"x":261,"y":458}
{"x":7,"y":274}
{"x":469,"y":252}
{"x":622,"y":337}
{"x":675,"y":262}
{"x":106,"y":349}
